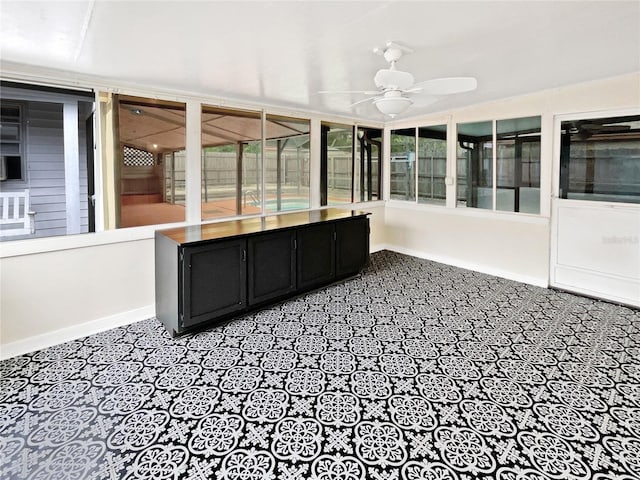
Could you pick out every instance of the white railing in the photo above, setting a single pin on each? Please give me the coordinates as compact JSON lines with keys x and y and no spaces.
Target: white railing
{"x":16,"y":217}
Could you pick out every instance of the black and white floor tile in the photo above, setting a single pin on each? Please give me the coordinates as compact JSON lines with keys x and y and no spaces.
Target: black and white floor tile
{"x":412,"y":371}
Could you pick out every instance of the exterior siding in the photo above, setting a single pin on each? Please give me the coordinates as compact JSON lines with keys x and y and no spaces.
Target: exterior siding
{"x":84,"y":212}
{"x":44,"y":173}
{"x":45,"y":167}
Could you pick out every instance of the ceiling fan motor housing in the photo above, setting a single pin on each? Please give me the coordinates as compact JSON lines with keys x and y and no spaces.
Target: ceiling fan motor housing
{"x":392,"y":54}
{"x":393,"y":79}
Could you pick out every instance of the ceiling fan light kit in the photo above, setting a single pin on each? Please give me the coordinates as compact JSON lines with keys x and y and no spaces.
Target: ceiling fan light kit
{"x":392,"y":105}
{"x":395,"y":86}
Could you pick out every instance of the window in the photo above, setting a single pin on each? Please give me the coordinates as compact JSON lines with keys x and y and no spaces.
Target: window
{"x":287,"y":164}
{"x":432,"y":164}
{"x":518,"y":165}
{"x":515,"y":161}
{"x":143,"y":161}
{"x":336,"y":147}
{"x":12,"y":145}
{"x":175,"y":177}
{"x":231,"y":162}
{"x":46,"y":147}
{"x":351,"y":159}
{"x":475,"y":165}
{"x":135,"y":157}
{"x":368,"y":171}
{"x":402,"y":165}
{"x":600,"y":159}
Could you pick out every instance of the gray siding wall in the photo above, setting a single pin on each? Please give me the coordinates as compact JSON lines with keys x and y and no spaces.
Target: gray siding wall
{"x":45,"y":167}
{"x":44,"y":172}
{"x":82,"y":141}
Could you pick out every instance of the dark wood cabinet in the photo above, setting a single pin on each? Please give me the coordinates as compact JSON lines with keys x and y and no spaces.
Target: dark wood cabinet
{"x":272,"y":269}
{"x":352,"y":246}
{"x":208,"y":273}
{"x":213,"y":281}
{"x":316,"y":259}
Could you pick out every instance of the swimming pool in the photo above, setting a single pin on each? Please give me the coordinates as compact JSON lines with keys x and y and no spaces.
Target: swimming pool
{"x":287,"y":204}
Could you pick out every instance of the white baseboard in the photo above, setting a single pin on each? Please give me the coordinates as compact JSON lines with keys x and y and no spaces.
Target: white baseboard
{"x":44,"y":340}
{"x":496,"y":272}
{"x":378,"y":248}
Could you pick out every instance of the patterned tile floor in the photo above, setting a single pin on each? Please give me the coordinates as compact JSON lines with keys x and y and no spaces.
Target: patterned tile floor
{"x":414,"y":371}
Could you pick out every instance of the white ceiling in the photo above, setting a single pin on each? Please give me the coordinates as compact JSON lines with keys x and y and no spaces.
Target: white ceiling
{"x":283,"y":53}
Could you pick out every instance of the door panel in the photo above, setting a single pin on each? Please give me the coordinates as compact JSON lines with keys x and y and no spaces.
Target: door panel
{"x":272,"y":266}
{"x":596,"y":249}
{"x":595,"y":228}
{"x":352,"y":246}
{"x":316,"y":255}
{"x":214,"y":280}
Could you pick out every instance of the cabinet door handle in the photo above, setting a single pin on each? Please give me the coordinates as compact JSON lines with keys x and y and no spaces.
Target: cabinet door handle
{"x":244,"y":255}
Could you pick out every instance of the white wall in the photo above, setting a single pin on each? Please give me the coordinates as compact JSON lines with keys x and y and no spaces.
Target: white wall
{"x":503,"y":247}
{"x":376,"y":223}
{"x":58,"y":295}
{"x":515,"y":246}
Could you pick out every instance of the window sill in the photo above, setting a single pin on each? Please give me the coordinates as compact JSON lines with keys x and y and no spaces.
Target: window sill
{"x":81,"y":240}
{"x":33,"y":246}
{"x":470,"y":212}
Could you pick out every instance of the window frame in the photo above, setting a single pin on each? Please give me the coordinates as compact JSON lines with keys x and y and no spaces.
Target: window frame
{"x":325,"y":127}
{"x":68,"y":128}
{"x":411,"y":182}
{"x":280,"y":169}
{"x":364,"y":186}
{"x":21,"y":142}
{"x":557,"y":138}
{"x":494,"y":164}
{"x":416,"y":169}
{"x":418,"y":163}
{"x":565,"y":181}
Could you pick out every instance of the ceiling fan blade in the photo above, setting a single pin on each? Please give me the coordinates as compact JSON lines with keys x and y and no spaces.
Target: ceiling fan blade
{"x":361,"y":101}
{"x":446,"y":86}
{"x":363,"y":92}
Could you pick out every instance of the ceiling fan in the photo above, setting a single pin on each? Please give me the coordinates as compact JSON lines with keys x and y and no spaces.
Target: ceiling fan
{"x":587,"y":128}
{"x":395,"y":86}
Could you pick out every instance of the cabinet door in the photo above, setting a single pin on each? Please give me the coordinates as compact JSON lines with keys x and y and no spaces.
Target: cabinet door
{"x":214,"y":281}
{"x":316,"y":255}
{"x":352,"y":246}
{"x":271,"y":266}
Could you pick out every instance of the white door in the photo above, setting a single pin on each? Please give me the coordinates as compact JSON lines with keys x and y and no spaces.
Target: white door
{"x":596,"y":207}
